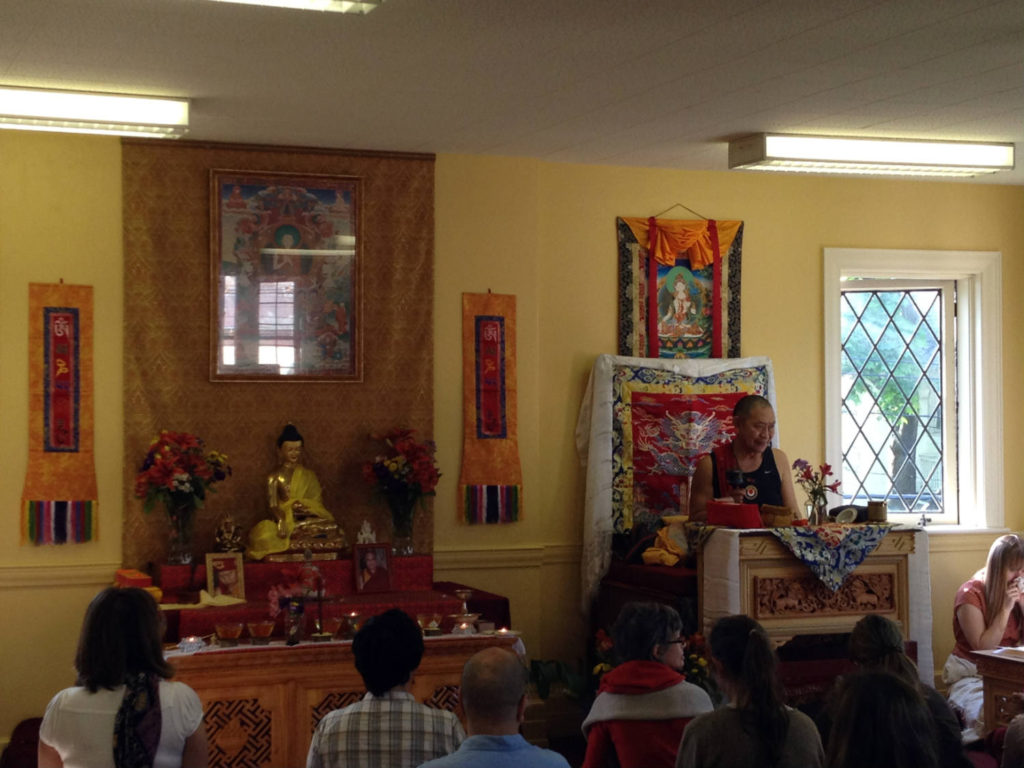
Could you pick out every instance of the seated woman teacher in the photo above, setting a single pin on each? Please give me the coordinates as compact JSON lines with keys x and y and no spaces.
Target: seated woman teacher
{"x":986,"y":614}
{"x":749,"y":457}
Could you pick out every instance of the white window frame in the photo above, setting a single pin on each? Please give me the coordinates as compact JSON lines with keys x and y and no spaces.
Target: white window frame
{"x":978,"y":275}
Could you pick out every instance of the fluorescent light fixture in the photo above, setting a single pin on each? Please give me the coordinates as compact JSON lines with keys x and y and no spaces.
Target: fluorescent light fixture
{"x":883,"y":157}
{"x":337,"y":6}
{"x":111,"y":114}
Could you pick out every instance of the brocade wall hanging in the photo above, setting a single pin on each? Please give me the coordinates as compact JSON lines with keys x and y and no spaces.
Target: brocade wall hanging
{"x":679,"y":287}
{"x":59,"y":499}
{"x":169,"y":292}
{"x":643,"y":425}
{"x":491,"y":481}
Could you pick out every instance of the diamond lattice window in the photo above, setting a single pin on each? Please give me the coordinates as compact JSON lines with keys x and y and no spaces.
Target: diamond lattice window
{"x":897,"y":408}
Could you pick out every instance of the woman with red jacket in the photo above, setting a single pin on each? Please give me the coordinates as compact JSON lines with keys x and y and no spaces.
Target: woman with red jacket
{"x":643,"y":705}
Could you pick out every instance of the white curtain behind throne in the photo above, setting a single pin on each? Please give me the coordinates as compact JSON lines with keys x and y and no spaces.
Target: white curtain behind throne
{"x":602,"y":435}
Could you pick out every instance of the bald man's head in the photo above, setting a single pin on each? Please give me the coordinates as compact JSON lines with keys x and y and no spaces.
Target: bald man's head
{"x":493,"y":683}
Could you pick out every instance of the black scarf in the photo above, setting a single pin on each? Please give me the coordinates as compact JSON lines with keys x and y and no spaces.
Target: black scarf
{"x":138,"y":722}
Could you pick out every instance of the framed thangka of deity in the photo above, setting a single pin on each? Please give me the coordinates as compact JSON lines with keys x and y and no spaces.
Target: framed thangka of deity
{"x":286,"y":298}
{"x":679,"y":287}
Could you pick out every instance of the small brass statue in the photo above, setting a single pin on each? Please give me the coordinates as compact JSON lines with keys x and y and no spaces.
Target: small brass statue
{"x":228,"y":536}
{"x":300,"y":520}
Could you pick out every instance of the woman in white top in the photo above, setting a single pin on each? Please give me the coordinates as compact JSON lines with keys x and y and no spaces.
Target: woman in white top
{"x":123,"y":710}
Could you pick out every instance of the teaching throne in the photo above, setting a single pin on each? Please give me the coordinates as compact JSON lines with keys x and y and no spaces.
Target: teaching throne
{"x":643,"y":425}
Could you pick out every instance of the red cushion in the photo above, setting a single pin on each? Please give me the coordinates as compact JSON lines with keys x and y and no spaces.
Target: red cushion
{"x":734,"y":515}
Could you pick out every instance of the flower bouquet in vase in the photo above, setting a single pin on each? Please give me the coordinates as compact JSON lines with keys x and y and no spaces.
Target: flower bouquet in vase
{"x":815,"y":484}
{"x":405,"y":473}
{"x":178,"y":472}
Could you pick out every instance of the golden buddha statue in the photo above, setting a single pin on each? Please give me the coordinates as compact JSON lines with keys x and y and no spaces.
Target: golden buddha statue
{"x":300,"y":520}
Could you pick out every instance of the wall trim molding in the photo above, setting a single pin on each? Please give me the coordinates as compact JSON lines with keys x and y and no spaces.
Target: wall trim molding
{"x":510,"y":557}
{"x":21,"y":576}
{"x":951,"y":540}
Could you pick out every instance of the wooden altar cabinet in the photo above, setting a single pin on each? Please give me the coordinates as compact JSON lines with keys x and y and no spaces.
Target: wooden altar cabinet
{"x":752,"y":572}
{"x":1002,"y":672}
{"x":262,"y":703}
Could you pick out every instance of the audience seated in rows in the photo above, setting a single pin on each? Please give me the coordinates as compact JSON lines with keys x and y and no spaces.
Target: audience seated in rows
{"x":643,"y":704}
{"x":388,"y":728}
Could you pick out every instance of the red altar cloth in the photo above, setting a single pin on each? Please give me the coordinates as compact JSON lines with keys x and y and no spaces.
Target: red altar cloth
{"x":412,"y":590}
{"x":408,"y":574}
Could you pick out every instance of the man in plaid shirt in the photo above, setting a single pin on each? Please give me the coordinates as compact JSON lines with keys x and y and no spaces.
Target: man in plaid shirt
{"x":388,"y":728}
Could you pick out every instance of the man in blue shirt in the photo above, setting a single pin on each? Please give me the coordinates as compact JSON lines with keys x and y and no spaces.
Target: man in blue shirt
{"x":494,"y":700}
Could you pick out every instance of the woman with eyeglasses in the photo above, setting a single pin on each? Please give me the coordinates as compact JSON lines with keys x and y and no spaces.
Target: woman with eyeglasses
{"x":643,"y":705}
{"x":756,"y":728}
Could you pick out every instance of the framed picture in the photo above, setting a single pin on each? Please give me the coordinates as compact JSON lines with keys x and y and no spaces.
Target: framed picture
{"x":286,"y":290}
{"x":372,"y":566}
{"x":225,"y":575}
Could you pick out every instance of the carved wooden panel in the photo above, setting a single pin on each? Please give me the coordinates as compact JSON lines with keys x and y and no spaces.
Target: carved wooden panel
{"x":331,"y":702}
{"x":444,"y":697}
{"x":776,"y":597}
{"x":239,"y":732}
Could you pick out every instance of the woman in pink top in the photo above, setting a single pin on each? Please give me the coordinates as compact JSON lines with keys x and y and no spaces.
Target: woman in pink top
{"x":987,"y":613}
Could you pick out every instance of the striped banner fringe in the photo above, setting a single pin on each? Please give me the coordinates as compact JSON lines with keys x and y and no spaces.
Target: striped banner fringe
{"x":491,"y":503}
{"x":58,"y":522}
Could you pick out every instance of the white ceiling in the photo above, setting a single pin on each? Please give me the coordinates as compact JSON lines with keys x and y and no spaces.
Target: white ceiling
{"x":661,"y":83}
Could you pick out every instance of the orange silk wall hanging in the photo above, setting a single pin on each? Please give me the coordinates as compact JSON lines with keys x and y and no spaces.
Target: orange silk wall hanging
{"x":679,"y":287}
{"x":490,"y":484}
{"x":59,"y":499}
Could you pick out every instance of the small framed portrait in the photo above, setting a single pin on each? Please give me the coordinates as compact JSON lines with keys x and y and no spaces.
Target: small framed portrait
{"x":225,"y":575}
{"x":372,"y":566}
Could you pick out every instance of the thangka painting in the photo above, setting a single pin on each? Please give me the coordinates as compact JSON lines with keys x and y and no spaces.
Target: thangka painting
{"x":286,"y":277}
{"x":643,"y":425}
{"x":664,"y":422}
{"x":679,"y":287}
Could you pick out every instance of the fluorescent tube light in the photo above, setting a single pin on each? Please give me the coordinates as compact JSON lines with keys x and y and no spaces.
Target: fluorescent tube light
{"x":884,"y":157}
{"x":338,"y":6}
{"x":83,"y":112}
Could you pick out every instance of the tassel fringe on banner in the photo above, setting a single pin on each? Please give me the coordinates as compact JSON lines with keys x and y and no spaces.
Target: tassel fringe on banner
{"x":491,"y":503}
{"x":58,"y":522}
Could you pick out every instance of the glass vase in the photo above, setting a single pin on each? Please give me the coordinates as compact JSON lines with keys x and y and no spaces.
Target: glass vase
{"x":182,"y":518}
{"x":817,"y":513}
{"x":402,"y":511}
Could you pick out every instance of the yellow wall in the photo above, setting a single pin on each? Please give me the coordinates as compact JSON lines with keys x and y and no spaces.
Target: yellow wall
{"x":60,"y":218}
{"x":542,"y":231}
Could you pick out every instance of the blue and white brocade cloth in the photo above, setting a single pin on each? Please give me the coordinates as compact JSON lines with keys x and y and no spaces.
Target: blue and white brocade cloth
{"x":832,"y":552}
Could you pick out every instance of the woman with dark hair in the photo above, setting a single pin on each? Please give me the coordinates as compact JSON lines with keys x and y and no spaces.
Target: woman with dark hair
{"x":876,"y":645}
{"x":756,"y":728}
{"x":123,"y":711}
{"x":986,"y":614}
{"x":881,"y":720}
{"x":643,"y":704}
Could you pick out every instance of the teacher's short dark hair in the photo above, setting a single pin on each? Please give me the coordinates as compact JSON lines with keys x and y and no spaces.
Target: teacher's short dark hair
{"x":121,"y":636}
{"x":388,"y":649}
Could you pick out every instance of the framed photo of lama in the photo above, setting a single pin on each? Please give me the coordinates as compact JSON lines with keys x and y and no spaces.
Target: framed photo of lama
{"x":286,"y":289}
{"x":372,"y":566}
{"x":225,"y":574}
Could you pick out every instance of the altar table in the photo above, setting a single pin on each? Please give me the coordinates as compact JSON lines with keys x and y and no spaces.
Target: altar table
{"x":1002,"y":672}
{"x":753,"y":573}
{"x":262,"y":703}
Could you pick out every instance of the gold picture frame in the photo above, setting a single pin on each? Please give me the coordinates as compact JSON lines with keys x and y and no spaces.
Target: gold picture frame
{"x":286,"y":285}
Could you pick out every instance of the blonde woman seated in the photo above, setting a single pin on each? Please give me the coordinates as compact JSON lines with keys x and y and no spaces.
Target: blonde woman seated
{"x":643,"y":704}
{"x":986,"y":614}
